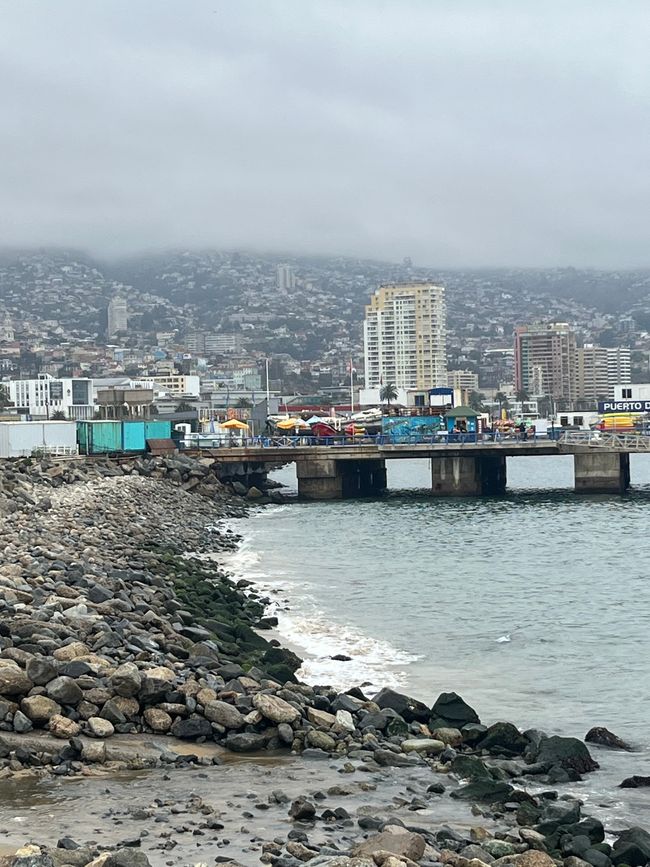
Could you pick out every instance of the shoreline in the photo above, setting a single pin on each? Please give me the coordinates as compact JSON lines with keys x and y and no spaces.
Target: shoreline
{"x":107,"y":627}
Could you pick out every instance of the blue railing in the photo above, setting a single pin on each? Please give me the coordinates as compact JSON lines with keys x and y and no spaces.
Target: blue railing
{"x":380,"y":439}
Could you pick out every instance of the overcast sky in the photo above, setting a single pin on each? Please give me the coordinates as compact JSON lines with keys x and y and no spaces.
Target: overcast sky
{"x":457,"y":132}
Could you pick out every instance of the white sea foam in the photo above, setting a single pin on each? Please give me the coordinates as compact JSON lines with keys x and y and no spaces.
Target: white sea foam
{"x":312,"y":632}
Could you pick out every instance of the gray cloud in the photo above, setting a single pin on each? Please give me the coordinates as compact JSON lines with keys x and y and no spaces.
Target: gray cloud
{"x":475,"y":133}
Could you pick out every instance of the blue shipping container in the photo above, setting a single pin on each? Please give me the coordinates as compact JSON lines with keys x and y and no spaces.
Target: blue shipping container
{"x":157,"y":430}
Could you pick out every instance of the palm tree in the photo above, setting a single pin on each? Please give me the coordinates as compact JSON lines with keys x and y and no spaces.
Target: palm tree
{"x":476,"y":399}
{"x":58,"y":415}
{"x":387,"y":393}
{"x":243,"y":403}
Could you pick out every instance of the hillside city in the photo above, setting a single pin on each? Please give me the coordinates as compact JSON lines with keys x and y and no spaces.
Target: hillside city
{"x":215,"y":331}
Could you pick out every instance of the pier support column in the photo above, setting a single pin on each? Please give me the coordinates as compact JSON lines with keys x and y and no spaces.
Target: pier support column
{"x":319,"y":479}
{"x":601,"y":472}
{"x":365,"y":478}
{"x":471,"y":476}
{"x":326,"y":479}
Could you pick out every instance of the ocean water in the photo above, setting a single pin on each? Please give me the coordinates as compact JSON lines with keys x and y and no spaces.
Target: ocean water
{"x":535,"y":607}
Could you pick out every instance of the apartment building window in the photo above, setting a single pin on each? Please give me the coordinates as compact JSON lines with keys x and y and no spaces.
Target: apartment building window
{"x":626,"y":393}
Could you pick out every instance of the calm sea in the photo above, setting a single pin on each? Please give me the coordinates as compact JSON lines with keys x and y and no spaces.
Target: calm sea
{"x":535,"y":607}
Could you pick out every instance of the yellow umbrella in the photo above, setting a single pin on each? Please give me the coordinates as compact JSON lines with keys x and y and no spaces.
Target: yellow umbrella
{"x":235,"y":424}
{"x":291,"y":423}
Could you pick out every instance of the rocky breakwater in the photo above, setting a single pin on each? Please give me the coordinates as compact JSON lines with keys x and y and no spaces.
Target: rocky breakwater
{"x":107,"y":628}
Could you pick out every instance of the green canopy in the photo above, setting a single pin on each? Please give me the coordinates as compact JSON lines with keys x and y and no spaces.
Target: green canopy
{"x":462,"y":412}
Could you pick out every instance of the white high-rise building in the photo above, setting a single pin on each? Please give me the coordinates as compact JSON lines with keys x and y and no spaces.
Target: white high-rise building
{"x":285,"y":278}
{"x":405,"y":336}
{"x":117,"y":316}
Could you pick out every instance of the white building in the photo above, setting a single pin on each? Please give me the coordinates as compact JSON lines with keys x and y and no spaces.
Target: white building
{"x":405,"y":336}
{"x":117,"y":316}
{"x":41,"y":398}
{"x":178,"y":384}
{"x":285,"y":278}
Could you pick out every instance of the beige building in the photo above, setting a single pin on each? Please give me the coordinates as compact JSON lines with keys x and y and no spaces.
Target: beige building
{"x":600,"y":369}
{"x":405,"y":336}
{"x":465,"y":380}
{"x":546,"y":360}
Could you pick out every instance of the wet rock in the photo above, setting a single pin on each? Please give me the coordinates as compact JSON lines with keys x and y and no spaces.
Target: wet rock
{"x":568,"y":753}
{"x":632,"y":847}
{"x":321,"y":741}
{"x":503,"y":737}
{"x":127,"y":857}
{"x":320,"y":718}
{"x":605,"y":738}
{"x":408,"y":708}
{"x":191,"y":728}
{"x":452,"y":710}
{"x":245,"y":742}
{"x":398,"y":841}
{"x":426,"y":746}
{"x":470,"y":768}
{"x":490,"y":791}
{"x":449,"y":736}
{"x":635,"y":782}
{"x":302,"y":810}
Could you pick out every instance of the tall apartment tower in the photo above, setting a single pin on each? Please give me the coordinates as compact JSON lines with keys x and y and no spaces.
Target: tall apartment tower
{"x":546,"y":360}
{"x":600,"y":369}
{"x":285,"y":278}
{"x":117,"y":316}
{"x":405,"y":336}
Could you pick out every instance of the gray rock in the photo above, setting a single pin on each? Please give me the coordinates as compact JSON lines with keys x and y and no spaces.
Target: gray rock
{"x":245,"y":742}
{"x":13,"y":680}
{"x":22,"y":724}
{"x":64,"y":690}
{"x":126,"y":680}
{"x":192,"y":728}
{"x":41,"y":670}
{"x":223,"y":713}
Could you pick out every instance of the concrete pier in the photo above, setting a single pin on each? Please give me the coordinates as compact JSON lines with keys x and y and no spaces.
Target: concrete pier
{"x":471,"y":476}
{"x":601,"y":472}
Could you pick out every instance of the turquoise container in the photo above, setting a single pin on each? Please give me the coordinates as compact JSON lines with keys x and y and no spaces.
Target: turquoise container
{"x":157,"y":430}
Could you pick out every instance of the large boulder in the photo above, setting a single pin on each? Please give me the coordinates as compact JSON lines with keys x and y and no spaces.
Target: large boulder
{"x":126,"y":680}
{"x":40,"y":670}
{"x":567,"y":753}
{"x":64,"y":690}
{"x":396,"y":840}
{"x":503,"y":737}
{"x":275,"y":709}
{"x":39,"y":708}
{"x":490,"y":791}
{"x":450,"y":709}
{"x":13,"y":680}
{"x":408,"y":708}
{"x":223,"y":713}
{"x":192,"y":728}
{"x":635,"y":782}
{"x":604,"y":738}
{"x":632,"y":847}
{"x":245,"y":742}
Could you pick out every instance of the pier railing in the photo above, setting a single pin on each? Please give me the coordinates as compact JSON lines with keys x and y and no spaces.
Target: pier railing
{"x":620,"y":442}
{"x":347,"y":440}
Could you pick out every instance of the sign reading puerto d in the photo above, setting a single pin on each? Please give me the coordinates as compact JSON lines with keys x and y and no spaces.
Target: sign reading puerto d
{"x":624,"y":406}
